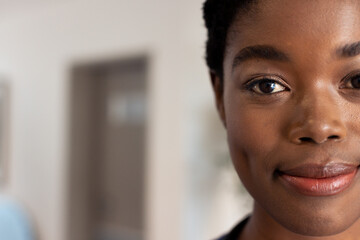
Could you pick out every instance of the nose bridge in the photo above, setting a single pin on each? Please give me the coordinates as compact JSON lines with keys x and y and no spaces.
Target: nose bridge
{"x":319,"y":107}
{"x":317,"y":117}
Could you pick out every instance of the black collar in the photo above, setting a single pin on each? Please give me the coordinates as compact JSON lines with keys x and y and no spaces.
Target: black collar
{"x":235,"y":232}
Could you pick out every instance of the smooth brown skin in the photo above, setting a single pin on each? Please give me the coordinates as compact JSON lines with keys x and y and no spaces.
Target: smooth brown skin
{"x":316,"y":117}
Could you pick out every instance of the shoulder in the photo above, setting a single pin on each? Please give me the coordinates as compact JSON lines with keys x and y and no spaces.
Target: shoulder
{"x":235,"y":232}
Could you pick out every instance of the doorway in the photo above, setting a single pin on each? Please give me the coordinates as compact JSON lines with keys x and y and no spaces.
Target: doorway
{"x":107,"y":159}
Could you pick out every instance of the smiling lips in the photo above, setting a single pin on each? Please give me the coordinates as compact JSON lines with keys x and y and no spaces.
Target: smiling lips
{"x":315,"y":180}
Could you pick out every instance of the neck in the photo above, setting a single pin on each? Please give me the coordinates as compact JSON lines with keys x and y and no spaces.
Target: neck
{"x":261,"y":226}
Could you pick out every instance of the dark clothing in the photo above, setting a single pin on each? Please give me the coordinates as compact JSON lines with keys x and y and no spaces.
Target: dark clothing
{"x":235,"y":232}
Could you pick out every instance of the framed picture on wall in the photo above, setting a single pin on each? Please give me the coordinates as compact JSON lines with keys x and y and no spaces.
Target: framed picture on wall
{"x":4,"y":129}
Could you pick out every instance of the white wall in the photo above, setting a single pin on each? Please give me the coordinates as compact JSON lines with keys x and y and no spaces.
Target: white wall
{"x":40,"y":42}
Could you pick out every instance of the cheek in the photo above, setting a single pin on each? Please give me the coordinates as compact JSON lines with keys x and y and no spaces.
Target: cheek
{"x":352,"y":118}
{"x":253,"y":136}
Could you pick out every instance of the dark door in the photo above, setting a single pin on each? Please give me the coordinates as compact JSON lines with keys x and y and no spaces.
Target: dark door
{"x":108,"y":149}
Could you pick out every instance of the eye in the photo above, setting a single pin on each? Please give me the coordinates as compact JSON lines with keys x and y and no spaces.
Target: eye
{"x":353,"y":82}
{"x":267,"y":86}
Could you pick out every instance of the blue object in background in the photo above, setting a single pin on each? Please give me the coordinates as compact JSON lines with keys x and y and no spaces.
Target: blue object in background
{"x":14,"y":222}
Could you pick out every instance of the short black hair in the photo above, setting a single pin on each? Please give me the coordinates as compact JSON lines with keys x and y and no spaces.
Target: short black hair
{"x":218,"y":16}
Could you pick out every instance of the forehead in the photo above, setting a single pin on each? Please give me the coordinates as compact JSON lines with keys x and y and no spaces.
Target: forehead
{"x":302,"y":28}
{"x":296,"y":20}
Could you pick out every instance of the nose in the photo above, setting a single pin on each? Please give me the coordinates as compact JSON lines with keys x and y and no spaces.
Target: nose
{"x":316,"y":120}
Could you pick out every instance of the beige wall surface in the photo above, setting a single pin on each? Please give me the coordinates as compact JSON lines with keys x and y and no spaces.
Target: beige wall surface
{"x":40,"y":42}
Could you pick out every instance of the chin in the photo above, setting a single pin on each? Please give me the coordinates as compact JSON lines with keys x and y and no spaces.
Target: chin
{"x":318,"y":226}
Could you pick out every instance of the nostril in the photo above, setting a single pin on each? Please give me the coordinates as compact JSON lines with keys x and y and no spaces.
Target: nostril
{"x":306,"y":139}
{"x":311,"y":140}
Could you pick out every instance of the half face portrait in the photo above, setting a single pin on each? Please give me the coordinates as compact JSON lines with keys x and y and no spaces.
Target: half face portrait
{"x":286,"y":79}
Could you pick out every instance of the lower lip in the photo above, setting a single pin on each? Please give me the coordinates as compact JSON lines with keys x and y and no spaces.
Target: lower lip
{"x":320,"y":186}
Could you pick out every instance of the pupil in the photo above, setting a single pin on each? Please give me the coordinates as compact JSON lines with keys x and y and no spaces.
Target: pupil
{"x":356,"y":82}
{"x":268,"y":87}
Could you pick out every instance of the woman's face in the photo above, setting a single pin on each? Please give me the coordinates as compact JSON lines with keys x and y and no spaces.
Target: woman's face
{"x":291,"y":107}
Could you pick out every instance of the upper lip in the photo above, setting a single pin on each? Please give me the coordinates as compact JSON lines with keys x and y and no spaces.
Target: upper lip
{"x":320,"y":171}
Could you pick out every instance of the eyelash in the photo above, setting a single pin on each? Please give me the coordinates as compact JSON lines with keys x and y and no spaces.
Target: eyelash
{"x":251,"y":85}
{"x":348,"y":79}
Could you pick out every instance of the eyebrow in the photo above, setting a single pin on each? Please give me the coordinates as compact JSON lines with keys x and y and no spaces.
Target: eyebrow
{"x":259,"y":51}
{"x":349,"y":50}
{"x":268,"y":52}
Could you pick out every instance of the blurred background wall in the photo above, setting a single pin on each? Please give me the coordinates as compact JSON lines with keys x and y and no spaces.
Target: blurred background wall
{"x":190,"y":189}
